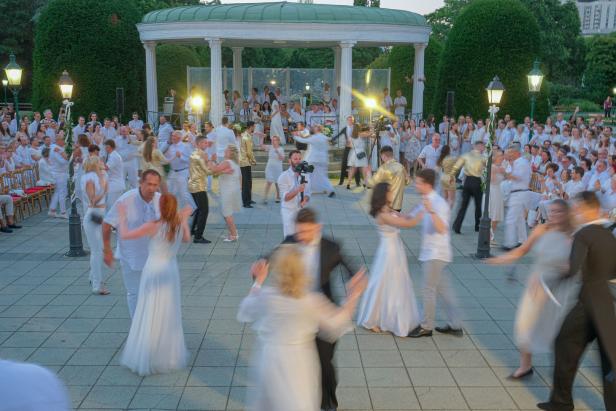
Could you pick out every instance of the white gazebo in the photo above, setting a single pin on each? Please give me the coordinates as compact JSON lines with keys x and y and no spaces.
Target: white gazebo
{"x":286,"y":25}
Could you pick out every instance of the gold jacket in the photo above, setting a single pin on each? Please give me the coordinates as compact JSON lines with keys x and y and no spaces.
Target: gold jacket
{"x":198,"y":172}
{"x":247,"y":157}
{"x":473,"y":162}
{"x":394,"y":174}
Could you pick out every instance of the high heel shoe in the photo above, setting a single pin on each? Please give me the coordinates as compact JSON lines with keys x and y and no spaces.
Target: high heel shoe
{"x":521,"y":376}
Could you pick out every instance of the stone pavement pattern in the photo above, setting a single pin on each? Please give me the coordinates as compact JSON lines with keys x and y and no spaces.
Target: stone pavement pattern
{"x":49,"y":317}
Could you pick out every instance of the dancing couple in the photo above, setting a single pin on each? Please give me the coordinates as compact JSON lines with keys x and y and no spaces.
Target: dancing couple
{"x":389,"y":303}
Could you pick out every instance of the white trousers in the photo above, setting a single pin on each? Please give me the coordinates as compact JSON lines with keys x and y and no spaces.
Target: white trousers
{"x":436,"y":281}
{"x":131,"y":173}
{"x":7,"y":202}
{"x":288,"y":221}
{"x":177,"y":183}
{"x":112,"y":197}
{"x":515,"y":223}
{"x":319,"y":180}
{"x":132,"y":279}
{"x":60,"y":192}
{"x":94,"y":236}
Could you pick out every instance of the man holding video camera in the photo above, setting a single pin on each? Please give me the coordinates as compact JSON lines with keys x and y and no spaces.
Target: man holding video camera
{"x":294,"y":186}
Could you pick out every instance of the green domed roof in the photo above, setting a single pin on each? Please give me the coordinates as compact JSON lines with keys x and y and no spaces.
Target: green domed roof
{"x":283,"y":12}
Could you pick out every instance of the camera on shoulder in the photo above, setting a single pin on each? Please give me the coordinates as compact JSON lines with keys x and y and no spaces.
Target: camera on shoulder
{"x":304,"y":168}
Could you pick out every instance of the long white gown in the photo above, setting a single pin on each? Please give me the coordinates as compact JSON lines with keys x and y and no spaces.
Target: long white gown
{"x":276,"y":128}
{"x":538,"y":318}
{"x":389,"y":301}
{"x":286,"y":367}
{"x":155,"y":342}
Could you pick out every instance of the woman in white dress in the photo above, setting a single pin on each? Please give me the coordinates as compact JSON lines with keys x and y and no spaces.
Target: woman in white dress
{"x":389,"y":303}
{"x":155,"y":342}
{"x":94,"y":184}
{"x":287,"y":317}
{"x":358,"y":158}
{"x":229,"y":184}
{"x":547,"y":298}
{"x":455,"y":140}
{"x":497,"y":201}
{"x":257,"y":117}
{"x":273,"y":168}
{"x":276,"y":121}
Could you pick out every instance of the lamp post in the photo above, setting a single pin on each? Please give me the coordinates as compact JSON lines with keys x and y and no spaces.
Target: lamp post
{"x":535,"y":78}
{"x":74,"y":222}
{"x":5,"y":83}
{"x":197,"y":106}
{"x":495,"y":92}
{"x":13,"y":76}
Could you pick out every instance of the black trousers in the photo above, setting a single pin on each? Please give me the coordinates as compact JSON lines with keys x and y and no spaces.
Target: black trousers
{"x":328,"y":374}
{"x":246,"y":185}
{"x":200,"y":218}
{"x":472,"y":188}
{"x":588,"y":320}
{"x":345,"y":165}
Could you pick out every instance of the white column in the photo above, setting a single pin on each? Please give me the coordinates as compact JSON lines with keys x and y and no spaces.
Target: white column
{"x":238,"y":74}
{"x":418,"y":81}
{"x":337,"y":52}
{"x":346,"y":80}
{"x":216,"y":97}
{"x":150,"y":78}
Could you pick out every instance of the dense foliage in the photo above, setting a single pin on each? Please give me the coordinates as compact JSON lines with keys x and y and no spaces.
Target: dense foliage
{"x":600,"y":74}
{"x":490,"y":37}
{"x":171,"y":62}
{"x":97,"y":42}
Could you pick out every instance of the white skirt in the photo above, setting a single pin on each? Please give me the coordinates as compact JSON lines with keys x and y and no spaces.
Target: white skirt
{"x":273,"y":170}
{"x":353,"y":161}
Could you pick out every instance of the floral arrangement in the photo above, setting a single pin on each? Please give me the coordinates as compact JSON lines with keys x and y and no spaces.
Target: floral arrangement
{"x":327,"y":130}
{"x":239,"y":127}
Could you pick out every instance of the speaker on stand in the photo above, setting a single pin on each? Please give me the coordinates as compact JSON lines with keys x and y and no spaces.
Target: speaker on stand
{"x":120,"y":102}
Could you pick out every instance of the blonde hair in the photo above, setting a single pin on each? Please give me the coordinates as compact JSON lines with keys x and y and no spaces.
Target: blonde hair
{"x":287,"y":267}
{"x":233,"y":149}
{"x":92,"y":163}
{"x":148,"y":148}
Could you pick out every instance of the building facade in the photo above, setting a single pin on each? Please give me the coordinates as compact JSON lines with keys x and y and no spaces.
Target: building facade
{"x":597,"y":16}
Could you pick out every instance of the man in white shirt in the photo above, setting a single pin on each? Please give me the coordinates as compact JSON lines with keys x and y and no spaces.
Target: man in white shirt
{"x":33,"y":127}
{"x":294,"y":194}
{"x":128,"y":148}
{"x":178,"y":156}
{"x":245,"y":112}
{"x":560,"y":121}
{"x":400,"y":106}
{"x":318,"y":156}
{"x":517,"y":203}
{"x":108,"y":130}
{"x":116,"y":183}
{"x":429,"y":154}
{"x":224,"y":137}
{"x":297,"y":114}
{"x":59,"y":169}
{"x":279,"y":97}
{"x":435,"y":254}
{"x":480,"y":133}
{"x":600,"y":178}
{"x":164,"y":133}
{"x":93,"y":121}
{"x":135,"y":124}
{"x":574,"y":186}
{"x":314,"y":116}
{"x":142,"y":206}
{"x":79,"y":129}
{"x":23,"y":153}
{"x":387,"y":103}
{"x":229,"y":113}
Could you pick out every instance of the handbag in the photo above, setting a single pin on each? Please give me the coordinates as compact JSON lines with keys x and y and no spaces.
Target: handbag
{"x":361,"y":155}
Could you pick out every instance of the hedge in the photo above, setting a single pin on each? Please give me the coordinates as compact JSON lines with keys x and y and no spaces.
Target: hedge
{"x":600,"y":74}
{"x":98,"y":43}
{"x":171,"y":62}
{"x":490,"y":37}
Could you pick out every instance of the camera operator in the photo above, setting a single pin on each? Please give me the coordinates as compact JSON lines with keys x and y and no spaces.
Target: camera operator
{"x":294,"y":186}
{"x":318,"y":156}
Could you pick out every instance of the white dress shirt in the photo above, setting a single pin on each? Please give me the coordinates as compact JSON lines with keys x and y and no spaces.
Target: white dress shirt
{"x":108,"y":132}
{"x":59,"y":165}
{"x":288,"y":182}
{"x":115,"y":174}
{"x":521,"y":170}
{"x":126,"y":147}
{"x":224,"y":137}
{"x":164,"y":133}
{"x":179,"y":163}
{"x":318,"y":147}
{"x":136,"y":124}
{"x":134,"y":253}
{"x":430,"y":156}
{"x":435,"y":246}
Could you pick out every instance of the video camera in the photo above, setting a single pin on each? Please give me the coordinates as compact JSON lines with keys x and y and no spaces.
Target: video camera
{"x":304,"y":168}
{"x":381,"y":124}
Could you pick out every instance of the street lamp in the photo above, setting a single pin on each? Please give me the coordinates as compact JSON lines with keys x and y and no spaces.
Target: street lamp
{"x":371,"y":104}
{"x":74,"y":221}
{"x":197,"y":105}
{"x":535,"y":78}
{"x":495,"y":92}
{"x":13,"y":76}
{"x":5,"y":83}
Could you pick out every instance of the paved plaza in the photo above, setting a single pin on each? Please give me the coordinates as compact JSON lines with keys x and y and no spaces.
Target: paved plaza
{"x":48,"y":316}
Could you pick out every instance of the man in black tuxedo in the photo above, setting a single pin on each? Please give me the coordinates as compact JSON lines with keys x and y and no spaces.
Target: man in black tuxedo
{"x":321,"y":257}
{"x":594,"y":254}
{"x":351,"y":130}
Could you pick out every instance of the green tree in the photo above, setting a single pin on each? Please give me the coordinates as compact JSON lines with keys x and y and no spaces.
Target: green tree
{"x":600,"y":74}
{"x":171,"y":62}
{"x":147,"y":6}
{"x":561,"y":46}
{"x":442,"y":18}
{"x":98,"y":43}
{"x":506,"y":36}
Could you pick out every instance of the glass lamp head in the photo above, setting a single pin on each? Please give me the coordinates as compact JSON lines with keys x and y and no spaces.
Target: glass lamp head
{"x":370,"y":103}
{"x":13,"y":72}
{"x":495,"y":91}
{"x":5,"y":82}
{"x":197,"y":102}
{"x":66,"y":85}
{"x":535,"y":78}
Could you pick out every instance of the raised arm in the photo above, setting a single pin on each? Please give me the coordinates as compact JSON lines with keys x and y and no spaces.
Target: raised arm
{"x":521,"y":251}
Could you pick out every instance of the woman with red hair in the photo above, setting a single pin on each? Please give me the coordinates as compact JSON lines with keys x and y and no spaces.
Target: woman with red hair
{"x":155,"y":342}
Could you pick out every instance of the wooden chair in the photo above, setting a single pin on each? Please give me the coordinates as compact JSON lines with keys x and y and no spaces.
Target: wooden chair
{"x":47,"y":190}
{"x":28,"y":183}
{"x":18,"y":204}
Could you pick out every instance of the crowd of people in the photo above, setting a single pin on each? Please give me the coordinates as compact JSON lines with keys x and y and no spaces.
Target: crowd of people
{"x":143,"y":188}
